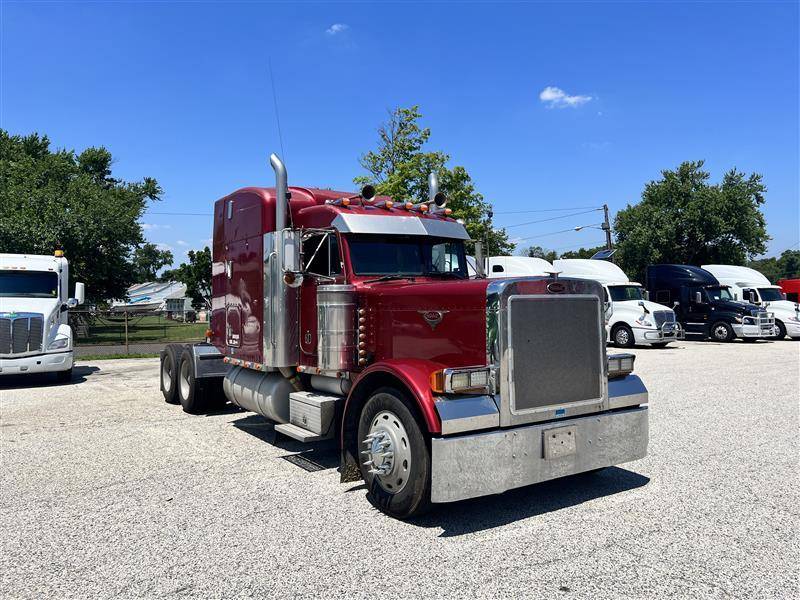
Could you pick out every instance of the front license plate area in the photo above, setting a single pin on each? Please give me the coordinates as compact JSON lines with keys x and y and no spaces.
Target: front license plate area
{"x":559,"y":442}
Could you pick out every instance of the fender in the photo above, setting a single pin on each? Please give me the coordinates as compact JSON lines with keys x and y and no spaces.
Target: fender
{"x":415,"y":375}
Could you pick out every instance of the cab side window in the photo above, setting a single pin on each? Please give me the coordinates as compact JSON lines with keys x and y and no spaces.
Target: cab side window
{"x":321,"y":255}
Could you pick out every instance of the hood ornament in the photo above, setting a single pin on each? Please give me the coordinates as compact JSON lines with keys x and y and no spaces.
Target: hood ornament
{"x":433,"y":317}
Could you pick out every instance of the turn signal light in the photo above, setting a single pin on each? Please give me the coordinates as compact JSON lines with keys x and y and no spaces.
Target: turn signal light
{"x":620,"y":365}
{"x":454,"y":381}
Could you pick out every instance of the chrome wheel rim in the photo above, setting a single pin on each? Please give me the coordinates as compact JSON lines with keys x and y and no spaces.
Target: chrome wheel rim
{"x":166,"y":374}
{"x":387,"y":452}
{"x":185,"y":380}
{"x":622,"y":337}
{"x":720,"y":332}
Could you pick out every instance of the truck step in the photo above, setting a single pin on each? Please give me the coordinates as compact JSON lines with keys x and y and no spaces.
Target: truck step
{"x":301,"y":435}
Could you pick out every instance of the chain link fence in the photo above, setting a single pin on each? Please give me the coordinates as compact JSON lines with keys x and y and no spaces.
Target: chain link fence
{"x":111,"y":333}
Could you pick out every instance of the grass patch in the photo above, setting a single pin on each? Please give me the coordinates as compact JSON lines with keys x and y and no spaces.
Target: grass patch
{"x":147,"y":328}
{"x":112,"y":356}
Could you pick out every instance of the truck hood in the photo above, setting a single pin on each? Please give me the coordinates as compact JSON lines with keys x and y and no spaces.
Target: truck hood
{"x":633,"y":306}
{"x":736,"y":306}
{"x":443,"y":321}
{"x":781,"y":307}
{"x":45,"y":306}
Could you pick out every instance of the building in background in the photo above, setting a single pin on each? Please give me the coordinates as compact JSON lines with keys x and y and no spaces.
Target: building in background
{"x":166,"y":297}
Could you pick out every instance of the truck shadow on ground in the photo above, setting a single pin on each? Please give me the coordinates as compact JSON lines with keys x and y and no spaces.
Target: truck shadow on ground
{"x":488,"y":512}
{"x":15,"y":382}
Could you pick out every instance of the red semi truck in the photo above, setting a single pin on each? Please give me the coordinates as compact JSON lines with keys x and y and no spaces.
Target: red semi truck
{"x":352,"y":317}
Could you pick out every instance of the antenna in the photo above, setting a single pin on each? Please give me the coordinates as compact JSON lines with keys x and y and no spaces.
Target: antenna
{"x":277,"y":115}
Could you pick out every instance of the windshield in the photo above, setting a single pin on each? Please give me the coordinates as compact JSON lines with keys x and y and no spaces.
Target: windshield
{"x":407,"y":255}
{"x":28,"y":284}
{"x":719,"y":293}
{"x":770,"y":294}
{"x":620,"y":293}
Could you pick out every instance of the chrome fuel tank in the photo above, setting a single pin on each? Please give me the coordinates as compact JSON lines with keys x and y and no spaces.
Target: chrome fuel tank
{"x":336,"y":327}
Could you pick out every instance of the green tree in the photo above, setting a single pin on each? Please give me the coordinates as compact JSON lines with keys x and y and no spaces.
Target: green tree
{"x":539,"y":252}
{"x":57,"y":199}
{"x":582,"y":252}
{"x":147,"y":260}
{"x":399,"y":168}
{"x":787,"y":266}
{"x":196,"y":275}
{"x":683,"y":218}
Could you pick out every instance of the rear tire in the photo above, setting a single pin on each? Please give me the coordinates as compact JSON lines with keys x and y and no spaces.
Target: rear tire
{"x":781,"y":330}
{"x":722,"y":332}
{"x":189,"y":391}
{"x":169,"y":373}
{"x":404,"y":490}
{"x":623,"y":336}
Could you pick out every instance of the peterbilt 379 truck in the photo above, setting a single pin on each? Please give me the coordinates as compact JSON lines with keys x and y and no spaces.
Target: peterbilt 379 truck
{"x":352,"y":317}
{"x":35,"y":336}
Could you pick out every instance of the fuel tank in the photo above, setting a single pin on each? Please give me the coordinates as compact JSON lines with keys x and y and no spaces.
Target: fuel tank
{"x":264,"y":393}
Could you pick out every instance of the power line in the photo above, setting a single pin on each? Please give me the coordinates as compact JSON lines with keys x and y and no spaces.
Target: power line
{"x":550,"y":219}
{"x":532,"y":237}
{"x":541,"y":210}
{"x":181,"y":214}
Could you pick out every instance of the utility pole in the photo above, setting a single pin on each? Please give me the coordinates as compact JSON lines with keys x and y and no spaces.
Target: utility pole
{"x":490,"y":214}
{"x":606,"y":227}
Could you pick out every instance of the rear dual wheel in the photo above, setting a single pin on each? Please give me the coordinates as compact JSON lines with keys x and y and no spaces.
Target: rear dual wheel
{"x":179,"y":383}
{"x":394,"y":455}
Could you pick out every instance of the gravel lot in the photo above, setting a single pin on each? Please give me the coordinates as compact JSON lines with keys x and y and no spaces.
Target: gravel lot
{"x":106,"y":491}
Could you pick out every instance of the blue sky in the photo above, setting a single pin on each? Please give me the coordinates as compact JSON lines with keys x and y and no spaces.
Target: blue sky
{"x":547,"y":105}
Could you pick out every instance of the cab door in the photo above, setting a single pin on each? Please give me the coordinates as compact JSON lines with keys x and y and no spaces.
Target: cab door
{"x":321,"y":265}
{"x":695,"y":314}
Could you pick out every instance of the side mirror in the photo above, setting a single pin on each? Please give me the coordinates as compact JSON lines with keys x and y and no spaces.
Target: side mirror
{"x":698,"y":298}
{"x":676,"y":304}
{"x":80,"y":293}
{"x":647,"y":295}
{"x":751,"y":297}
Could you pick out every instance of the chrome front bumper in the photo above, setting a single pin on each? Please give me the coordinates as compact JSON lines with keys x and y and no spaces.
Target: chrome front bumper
{"x":40,"y":363}
{"x":493,"y":462}
{"x":668,"y":332}
{"x":755,"y":327}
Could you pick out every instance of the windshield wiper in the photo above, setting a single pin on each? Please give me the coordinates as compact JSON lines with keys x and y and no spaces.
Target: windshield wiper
{"x":443,"y":274}
{"x":389,"y":278}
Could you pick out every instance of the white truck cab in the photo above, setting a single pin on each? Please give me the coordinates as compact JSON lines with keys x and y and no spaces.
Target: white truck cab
{"x":748,"y":285}
{"x":633,"y":319}
{"x":35,"y":336}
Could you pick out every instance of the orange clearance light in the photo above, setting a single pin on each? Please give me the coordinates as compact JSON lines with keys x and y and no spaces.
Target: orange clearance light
{"x":208,"y":333}
{"x":408,"y":206}
{"x":388,"y":204}
{"x":58,"y":253}
{"x":437,"y":381}
{"x":345,"y":201}
{"x":423,"y":208}
{"x":448,"y":211}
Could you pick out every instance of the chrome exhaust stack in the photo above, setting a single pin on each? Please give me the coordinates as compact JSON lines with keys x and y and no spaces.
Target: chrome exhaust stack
{"x":436,"y":199}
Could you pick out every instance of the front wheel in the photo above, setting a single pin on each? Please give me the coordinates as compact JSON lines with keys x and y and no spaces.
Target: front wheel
{"x":722,"y":332}
{"x":623,"y":336}
{"x":394,"y":455}
{"x":781,"y":330}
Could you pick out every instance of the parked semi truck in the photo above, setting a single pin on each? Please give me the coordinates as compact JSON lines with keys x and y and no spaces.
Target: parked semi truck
{"x":350,"y":316}
{"x":35,"y":336}
{"x":791,"y":288}
{"x":751,"y":286}
{"x":705,"y":307}
{"x":633,"y":319}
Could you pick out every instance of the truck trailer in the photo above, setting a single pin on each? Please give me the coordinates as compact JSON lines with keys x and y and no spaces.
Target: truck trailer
{"x":705,"y":307}
{"x":751,"y":286}
{"x":35,"y":336}
{"x":633,"y":318}
{"x":351,"y":316}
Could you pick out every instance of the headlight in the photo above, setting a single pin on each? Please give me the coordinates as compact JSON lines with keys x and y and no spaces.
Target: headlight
{"x":620,"y":365}
{"x":454,"y":381}
{"x":59,"y":343}
{"x":737,"y":318}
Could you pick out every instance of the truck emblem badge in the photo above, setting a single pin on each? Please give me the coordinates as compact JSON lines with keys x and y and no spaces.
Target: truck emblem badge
{"x":556,"y":287}
{"x":433,"y":317}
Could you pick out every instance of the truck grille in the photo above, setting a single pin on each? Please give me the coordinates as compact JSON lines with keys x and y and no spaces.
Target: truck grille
{"x":21,"y":333}
{"x":556,"y":351}
{"x":663,"y":316}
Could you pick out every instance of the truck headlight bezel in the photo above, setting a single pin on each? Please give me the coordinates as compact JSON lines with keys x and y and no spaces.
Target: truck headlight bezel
{"x":620,"y":365}
{"x":461,"y":380}
{"x":59,"y":343}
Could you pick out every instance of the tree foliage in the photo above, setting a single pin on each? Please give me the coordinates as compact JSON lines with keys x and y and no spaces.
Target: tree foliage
{"x":57,"y":199}
{"x":683,"y":218}
{"x":583,"y":252}
{"x":148,"y":259}
{"x":196,"y":275}
{"x":786,"y":266}
{"x":399,"y":168}
{"x":539,"y":252}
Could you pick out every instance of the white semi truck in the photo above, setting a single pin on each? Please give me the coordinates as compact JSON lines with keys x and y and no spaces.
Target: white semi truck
{"x":748,"y":285}
{"x":632,"y":319}
{"x":35,"y":336}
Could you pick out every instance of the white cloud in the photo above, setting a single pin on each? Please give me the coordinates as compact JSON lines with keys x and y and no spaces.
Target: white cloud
{"x":164,"y":247}
{"x":153,"y":226}
{"x":182,"y":243}
{"x":554,"y":97}
{"x":337,"y":28}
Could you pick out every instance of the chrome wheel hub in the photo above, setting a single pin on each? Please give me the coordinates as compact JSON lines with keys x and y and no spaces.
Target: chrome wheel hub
{"x":721,"y":333}
{"x":387,"y":451}
{"x":184,"y":380}
{"x":166,"y":375}
{"x":622,"y":337}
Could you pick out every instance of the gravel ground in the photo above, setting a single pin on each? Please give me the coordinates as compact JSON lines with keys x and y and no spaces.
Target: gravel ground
{"x":106,"y":491}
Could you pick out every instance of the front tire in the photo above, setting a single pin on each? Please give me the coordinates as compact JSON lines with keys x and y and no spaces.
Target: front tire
{"x":623,"y":336}
{"x":394,"y":455}
{"x":781,"y":330}
{"x":722,"y":332}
